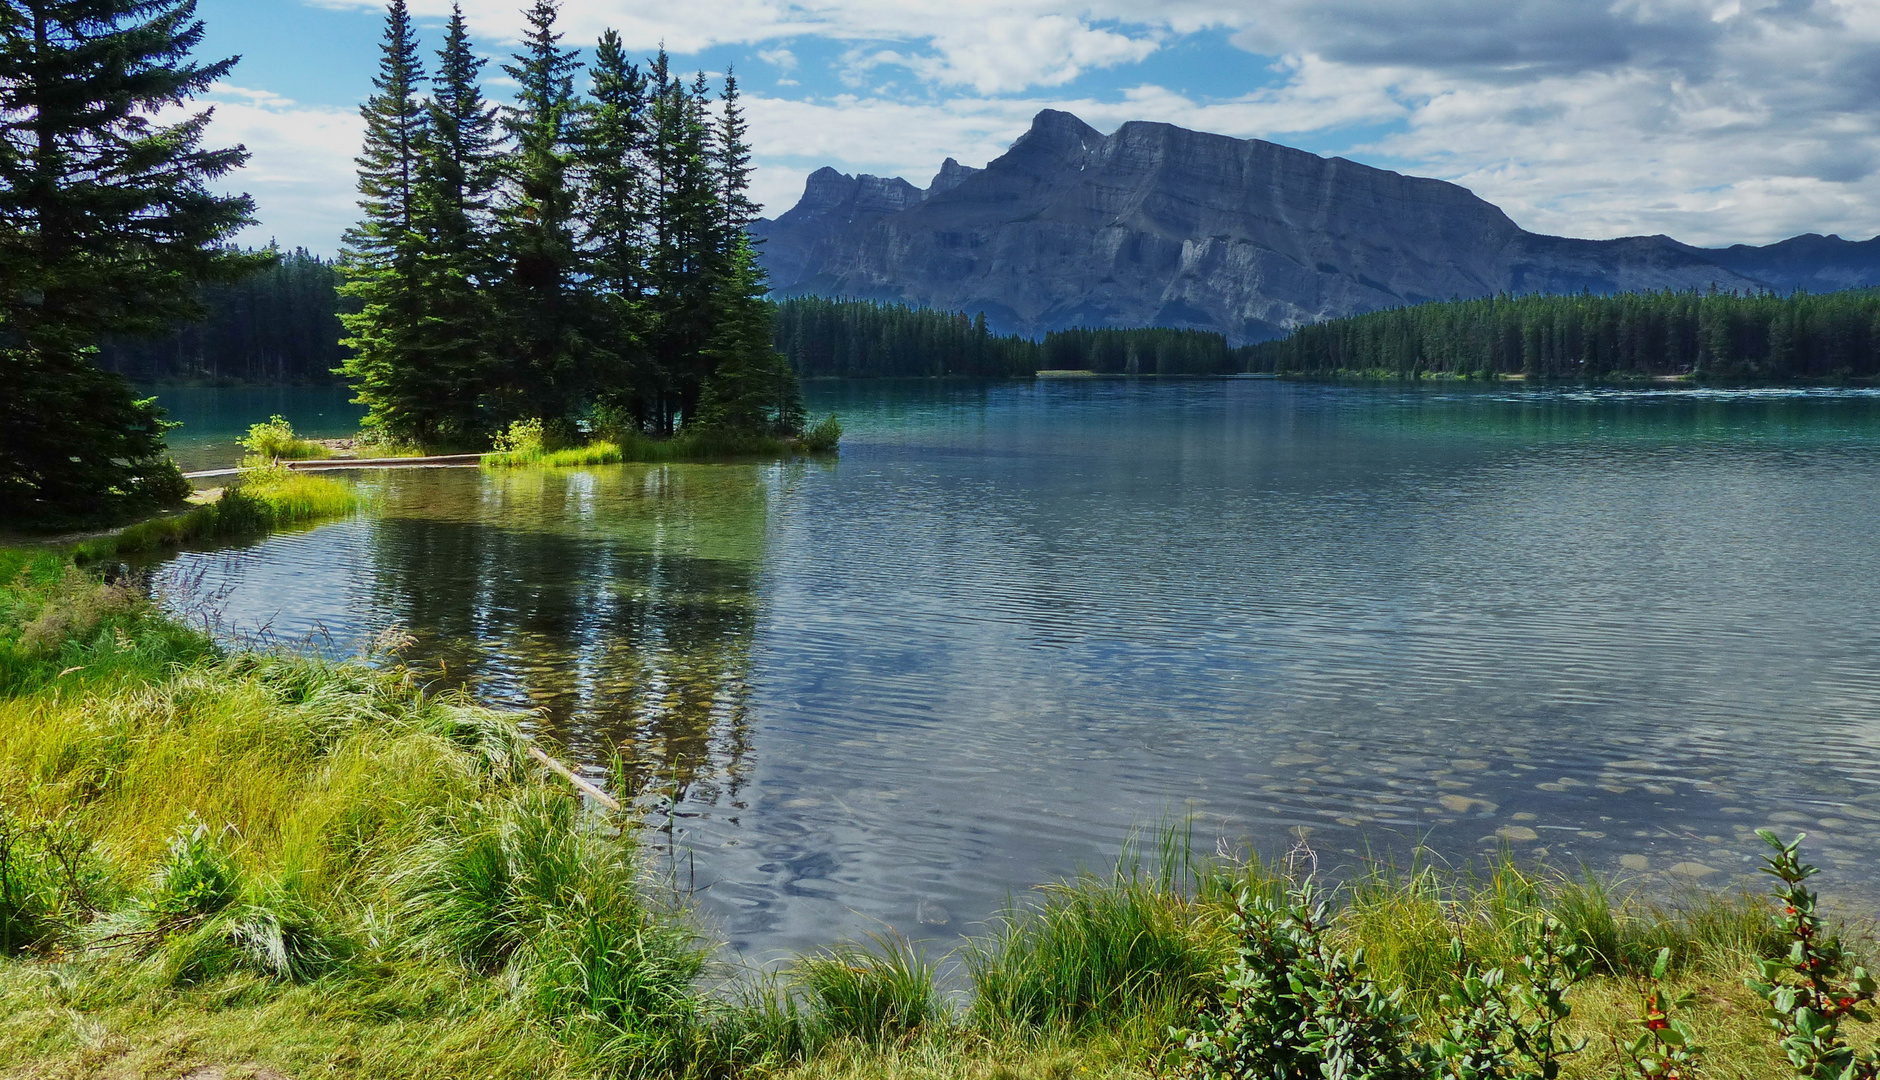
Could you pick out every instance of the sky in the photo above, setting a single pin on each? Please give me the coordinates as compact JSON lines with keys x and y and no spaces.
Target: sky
{"x":1713,"y":121}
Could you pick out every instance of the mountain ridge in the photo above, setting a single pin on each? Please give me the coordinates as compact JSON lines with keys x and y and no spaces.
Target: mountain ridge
{"x":1158,"y":225}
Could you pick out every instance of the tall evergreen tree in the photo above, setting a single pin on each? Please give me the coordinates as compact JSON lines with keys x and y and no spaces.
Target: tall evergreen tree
{"x":613,"y":147}
{"x":106,"y":226}
{"x":750,"y":386}
{"x":734,"y":161}
{"x":453,"y":346}
{"x":545,"y":307}
{"x":384,"y":251}
{"x":688,"y":257}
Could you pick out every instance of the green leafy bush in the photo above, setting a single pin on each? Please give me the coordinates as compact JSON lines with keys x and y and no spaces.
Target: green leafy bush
{"x":822,"y":438}
{"x":275,"y":440}
{"x":1818,"y":986}
{"x":1293,"y":1006}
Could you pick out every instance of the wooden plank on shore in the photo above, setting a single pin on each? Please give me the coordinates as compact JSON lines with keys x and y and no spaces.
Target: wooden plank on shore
{"x":435,"y":461}
{"x":384,"y":462}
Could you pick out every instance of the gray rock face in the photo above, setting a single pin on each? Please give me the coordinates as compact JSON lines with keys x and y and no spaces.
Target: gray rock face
{"x":1157,"y":225}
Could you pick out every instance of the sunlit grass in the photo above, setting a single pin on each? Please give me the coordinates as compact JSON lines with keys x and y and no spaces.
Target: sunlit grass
{"x":319,"y":868}
{"x":262,"y":499}
{"x":525,"y":444}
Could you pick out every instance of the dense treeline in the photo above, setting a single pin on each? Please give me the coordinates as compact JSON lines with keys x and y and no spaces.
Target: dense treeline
{"x":859,"y":339}
{"x":1146,"y":351}
{"x":278,"y":326}
{"x":1716,"y":336}
{"x":578,"y":259}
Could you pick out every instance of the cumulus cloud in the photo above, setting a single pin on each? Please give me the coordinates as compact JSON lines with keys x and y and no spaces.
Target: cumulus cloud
{"x":300,"y":171}
{"x":1713,"y":120}
{"x":1745,"y":120}
{"x":993,"y":47}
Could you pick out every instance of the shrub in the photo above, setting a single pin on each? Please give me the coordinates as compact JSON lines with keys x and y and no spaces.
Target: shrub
{"x":822,"y":438}
{"x":1295,"y":1007}
{"x":275,"y":440}
{"x":523,"y":439}
{"x":1818,"y":986}
{"x":75,"y":608}
{"x":50,"y":876}
{"x":197,"y":879}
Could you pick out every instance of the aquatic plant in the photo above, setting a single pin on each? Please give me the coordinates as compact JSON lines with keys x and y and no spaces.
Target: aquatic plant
{"x":1093,"y":949}
{"x":264,"y":498}
{"x":704,"y":444}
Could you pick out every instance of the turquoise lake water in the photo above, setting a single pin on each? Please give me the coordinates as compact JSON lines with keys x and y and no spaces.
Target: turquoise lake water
{"x":1015,"y":621}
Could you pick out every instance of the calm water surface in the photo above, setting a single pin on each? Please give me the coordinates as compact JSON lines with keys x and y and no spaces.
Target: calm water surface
{"x":213,"y":418}
{"x":1016,"y":621}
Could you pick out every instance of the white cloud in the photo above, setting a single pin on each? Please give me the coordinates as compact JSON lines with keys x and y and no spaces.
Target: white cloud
{"x":990,"y":45}
{"x":301,"y":169}
{"x":1713,"y":120}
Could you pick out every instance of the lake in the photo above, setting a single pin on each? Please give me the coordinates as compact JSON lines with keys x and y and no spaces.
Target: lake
{"x":1016,"y":621}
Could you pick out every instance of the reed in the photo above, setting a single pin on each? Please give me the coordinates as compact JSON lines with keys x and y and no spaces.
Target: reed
{"x":1100,"y":949}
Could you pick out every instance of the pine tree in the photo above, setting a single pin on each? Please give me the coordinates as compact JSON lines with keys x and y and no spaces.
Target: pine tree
{"x":384,"y":251}
{"x":544,"y":305}
{"x":106,"y":227}
{"x":456,"y":177}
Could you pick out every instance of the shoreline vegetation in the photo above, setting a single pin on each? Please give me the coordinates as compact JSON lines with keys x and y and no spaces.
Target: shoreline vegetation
{"x":257,"y":861}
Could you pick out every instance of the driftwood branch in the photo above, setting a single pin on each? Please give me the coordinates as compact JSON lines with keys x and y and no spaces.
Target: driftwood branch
{"x":585,"y":786}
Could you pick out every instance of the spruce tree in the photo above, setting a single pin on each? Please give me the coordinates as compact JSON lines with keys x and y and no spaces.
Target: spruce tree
{"x":383,"y":251}
{"x":688,"y":258}
{"x":613,"y":150}
{"x":456,"y":176}
{"x":734,"y":160}
{"x":106,"y":227}
{"x":750,"y":387}
{"x":544,"y":305}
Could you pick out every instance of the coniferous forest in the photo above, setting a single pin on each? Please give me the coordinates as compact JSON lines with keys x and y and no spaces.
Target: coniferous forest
{"x":280,"y":325}
{"x":1712,"y":337}
{"x":578,"y":257}
{"x":859,"y":339}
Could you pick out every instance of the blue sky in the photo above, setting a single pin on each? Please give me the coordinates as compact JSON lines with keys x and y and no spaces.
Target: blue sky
{"x":1715,"y":121}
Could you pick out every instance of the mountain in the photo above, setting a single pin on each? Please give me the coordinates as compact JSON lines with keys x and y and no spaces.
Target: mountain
{"x":1156,"y":225}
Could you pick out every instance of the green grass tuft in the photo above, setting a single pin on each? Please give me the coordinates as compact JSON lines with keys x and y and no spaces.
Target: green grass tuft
{"x":881,"y":994}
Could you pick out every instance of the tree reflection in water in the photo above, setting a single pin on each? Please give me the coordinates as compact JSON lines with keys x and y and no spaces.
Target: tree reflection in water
{"x":619,"y":603}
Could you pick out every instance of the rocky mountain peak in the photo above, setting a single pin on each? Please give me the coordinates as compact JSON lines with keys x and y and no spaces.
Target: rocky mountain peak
{"x":1158,"y":225}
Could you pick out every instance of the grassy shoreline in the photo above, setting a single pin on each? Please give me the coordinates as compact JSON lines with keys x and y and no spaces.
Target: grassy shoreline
{"x":257,"y":862}
{"x":263,"y":499}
